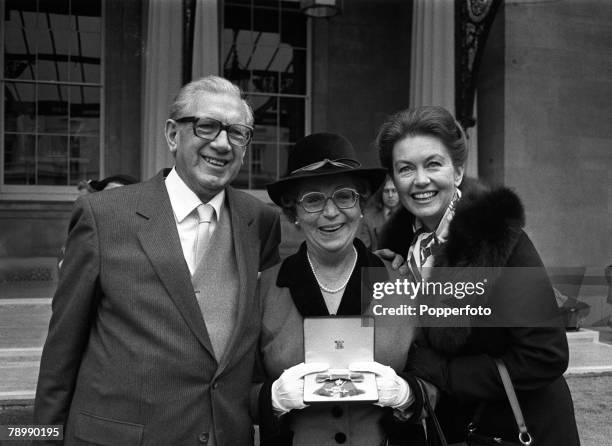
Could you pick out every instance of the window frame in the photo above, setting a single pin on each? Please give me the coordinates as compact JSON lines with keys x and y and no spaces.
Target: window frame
{"x":15,"y":192}
{"x":261,"y":193}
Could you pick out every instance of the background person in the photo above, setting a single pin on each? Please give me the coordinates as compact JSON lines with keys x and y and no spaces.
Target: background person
{"x":450,"y":222}
{"x":112,"y":182}
{"x":83,"y":187}
{"x":152,"y":339}
{"x":377,"y":211}
{"x":322,"y":193}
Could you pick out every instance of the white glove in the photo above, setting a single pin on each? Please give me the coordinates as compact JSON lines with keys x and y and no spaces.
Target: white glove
{"x":288,"y":389}
{"x":393,"y":391}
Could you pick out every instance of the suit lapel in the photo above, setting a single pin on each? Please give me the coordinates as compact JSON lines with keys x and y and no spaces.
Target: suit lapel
{"x":242,"y":227}
{"x":159,"y":239}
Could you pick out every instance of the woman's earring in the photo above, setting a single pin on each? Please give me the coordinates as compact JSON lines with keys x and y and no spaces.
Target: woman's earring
{"x":297,"y":223}
{"x":361,"y":216}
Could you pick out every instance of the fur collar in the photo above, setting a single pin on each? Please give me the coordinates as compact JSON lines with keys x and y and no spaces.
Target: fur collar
{"x":484,"y":230}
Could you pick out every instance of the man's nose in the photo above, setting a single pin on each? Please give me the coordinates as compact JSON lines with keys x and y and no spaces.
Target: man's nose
{"x":221,"y":142}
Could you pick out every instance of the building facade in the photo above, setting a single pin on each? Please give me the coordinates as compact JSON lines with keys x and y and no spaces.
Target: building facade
{"x":86,"y":85}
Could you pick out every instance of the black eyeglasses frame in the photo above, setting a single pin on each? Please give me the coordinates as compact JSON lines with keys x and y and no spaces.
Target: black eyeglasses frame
{"x":195,"y":119}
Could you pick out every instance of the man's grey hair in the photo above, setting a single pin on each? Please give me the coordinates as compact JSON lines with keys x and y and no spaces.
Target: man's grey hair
{"x":207,"y":84}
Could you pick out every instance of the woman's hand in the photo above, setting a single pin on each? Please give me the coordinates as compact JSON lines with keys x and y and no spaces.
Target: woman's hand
{"x":397,"y":261}
{"x":393,"y":390}
{"x":288,"y":389}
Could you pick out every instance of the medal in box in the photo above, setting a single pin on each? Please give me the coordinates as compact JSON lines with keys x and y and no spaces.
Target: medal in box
{"x":339,"y":341}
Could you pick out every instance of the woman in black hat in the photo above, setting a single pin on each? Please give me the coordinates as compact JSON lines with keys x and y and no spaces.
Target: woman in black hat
{"x":322,"y":194}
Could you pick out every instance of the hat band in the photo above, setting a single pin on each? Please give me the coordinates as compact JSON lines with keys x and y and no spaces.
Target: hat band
{"x":340,"y":162}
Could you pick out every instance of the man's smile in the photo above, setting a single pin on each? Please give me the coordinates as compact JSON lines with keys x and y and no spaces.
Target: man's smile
{"x":216,"y":162}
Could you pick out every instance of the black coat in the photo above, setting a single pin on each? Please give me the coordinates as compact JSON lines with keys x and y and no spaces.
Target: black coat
{"x":486,"y":231}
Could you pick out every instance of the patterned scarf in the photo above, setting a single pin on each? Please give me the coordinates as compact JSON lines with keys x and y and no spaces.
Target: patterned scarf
{"x":424,"y":243}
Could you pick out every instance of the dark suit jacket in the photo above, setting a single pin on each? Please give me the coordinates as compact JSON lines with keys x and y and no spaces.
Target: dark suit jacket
{"x":128,"y":360}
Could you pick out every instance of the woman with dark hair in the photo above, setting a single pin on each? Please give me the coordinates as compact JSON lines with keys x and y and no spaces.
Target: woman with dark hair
{"x":322,"y":193}
{"x":447,"y":221}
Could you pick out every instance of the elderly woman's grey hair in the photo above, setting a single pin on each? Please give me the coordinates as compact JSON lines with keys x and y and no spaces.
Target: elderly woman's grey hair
{"x":431,"y":121}
{"x":208,"y":84}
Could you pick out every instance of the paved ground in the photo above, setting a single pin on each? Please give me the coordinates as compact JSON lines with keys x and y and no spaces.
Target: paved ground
{"x":592,"y":395}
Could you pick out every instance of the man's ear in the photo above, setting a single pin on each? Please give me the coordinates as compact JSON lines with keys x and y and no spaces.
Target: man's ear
{"x":172,"y":135}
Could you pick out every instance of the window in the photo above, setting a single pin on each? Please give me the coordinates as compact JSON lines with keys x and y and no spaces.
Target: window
{"x":51,"y":94}
{"x":265,"y":52}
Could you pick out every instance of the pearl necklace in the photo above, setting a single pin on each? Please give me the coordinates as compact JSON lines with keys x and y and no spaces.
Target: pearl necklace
{"x":331,"y":290}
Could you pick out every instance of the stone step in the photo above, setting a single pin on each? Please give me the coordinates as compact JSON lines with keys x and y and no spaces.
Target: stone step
{"x":27,"y":269}
{"x":593,"y":357}
{"x":581,"y":336}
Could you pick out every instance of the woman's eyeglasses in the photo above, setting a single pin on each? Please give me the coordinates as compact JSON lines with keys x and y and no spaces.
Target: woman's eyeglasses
{"x":315,"y":201}
{"x":209,"y":129}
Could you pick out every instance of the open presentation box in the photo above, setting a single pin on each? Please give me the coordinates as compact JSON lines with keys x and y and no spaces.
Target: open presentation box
{"x":339,"y":341}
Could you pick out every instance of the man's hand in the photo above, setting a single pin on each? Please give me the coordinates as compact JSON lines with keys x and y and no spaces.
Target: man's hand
{"x":397,"y":261}
{"x":288,"y":389}
{"x":393,"y":391}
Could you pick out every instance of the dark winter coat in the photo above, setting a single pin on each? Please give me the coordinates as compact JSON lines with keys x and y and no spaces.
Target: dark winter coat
{"x":486,"y":231}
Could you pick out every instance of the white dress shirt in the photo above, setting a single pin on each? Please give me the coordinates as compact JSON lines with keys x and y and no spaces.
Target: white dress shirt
{"x":184,"y":205}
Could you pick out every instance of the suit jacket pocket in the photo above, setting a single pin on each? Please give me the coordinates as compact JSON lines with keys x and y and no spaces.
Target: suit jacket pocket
{"x":106,"y":431}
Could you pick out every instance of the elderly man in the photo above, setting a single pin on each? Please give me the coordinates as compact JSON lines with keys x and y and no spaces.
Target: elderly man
{"x":152,"y":336}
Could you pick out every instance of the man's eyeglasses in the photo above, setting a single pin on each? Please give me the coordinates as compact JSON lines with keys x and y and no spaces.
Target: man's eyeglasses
{"x":209,"y":129}
{"x":315,"y":201}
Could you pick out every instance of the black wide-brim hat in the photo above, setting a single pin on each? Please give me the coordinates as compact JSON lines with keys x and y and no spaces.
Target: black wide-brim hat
{"x":323,"y":154}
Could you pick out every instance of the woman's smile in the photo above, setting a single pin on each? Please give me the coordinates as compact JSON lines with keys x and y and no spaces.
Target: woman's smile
{"x":424,"y":197}
{"x":331,"y":228}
